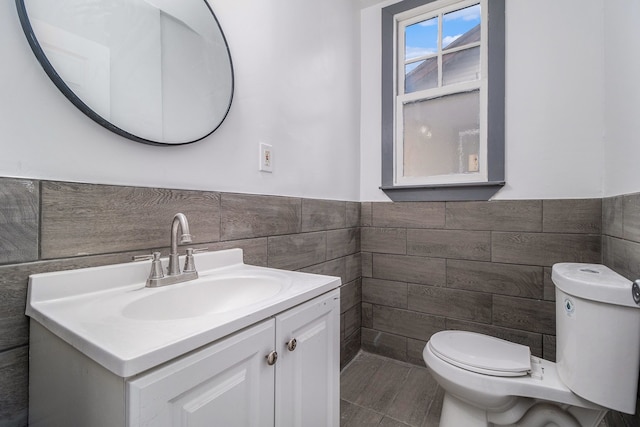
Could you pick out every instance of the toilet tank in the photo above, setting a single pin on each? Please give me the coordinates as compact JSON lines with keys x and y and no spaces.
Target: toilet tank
{"x":597,"y":334}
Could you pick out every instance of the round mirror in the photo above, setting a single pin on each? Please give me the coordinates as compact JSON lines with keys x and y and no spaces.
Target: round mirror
{"x":154,"y":71}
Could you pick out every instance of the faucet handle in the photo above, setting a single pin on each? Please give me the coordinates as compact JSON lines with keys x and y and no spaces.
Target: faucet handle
{"x":156,"y":267}
{"x":189,"y":264}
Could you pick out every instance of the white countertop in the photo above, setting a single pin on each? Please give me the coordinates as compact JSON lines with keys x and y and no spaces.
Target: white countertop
{"x":86,"y":308}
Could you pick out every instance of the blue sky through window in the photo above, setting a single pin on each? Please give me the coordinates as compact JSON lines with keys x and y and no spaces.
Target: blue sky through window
{"x":422,"y":38}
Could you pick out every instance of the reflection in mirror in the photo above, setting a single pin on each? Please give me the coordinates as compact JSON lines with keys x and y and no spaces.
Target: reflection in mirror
{"x":154,"y":71}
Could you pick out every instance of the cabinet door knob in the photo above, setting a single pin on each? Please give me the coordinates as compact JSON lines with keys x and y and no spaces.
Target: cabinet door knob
{"x":272,"y":357}
{"x":291,"y":345}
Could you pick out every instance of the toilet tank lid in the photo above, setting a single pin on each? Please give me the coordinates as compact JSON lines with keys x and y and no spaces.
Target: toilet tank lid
{"x":594,"y":282}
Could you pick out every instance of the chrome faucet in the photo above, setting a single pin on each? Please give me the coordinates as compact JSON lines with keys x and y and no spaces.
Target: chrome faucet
{"x":179,"y":223}
{"x":179,"y":231}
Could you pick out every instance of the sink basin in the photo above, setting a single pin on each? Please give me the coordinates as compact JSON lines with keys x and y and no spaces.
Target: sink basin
{"x":107,"y":313}
{"x":204,"y":296}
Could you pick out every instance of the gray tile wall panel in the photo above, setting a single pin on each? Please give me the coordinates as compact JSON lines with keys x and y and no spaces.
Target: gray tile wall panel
{"x":318,"y":215}
{"x":488,"y":270}
{"x":86,"y":225}
{"x":342,"y":242}
{"x":631,"y":217}
{"x":14,"y":395}
{"x":353,"y":267}
{"x":19,"y":216}
{"x":406,"y":323}
{"x":495,"y":278}
{"x":335,"y":267}
{"x":353,"y":214}
{"x":622,"y":256}
{"x":86,"y":219}
{"x":297,"y":251}
{"x":408,"y":214}
{"x":456,"y":244}
{"x":612,"y":216}
{"x":274,"y":231}
{"x":384,"y":292}
{"x":544,"y":249}
{"x":414,"y":269}
{"x":385,"y":344}
{"x":524,"y":314}
{"x":572,"y":216}
{"x":247,"y":215}
{"x":384,"y":240}
{"x":450,"y":303}
{"x":366,"y":214}
{"x":350,"y":295}
{"x":507,"y":215}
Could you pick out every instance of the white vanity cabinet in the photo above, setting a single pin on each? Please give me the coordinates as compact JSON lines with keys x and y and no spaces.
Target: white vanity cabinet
{"x":227,"y":383}
{"x":308,"y":366}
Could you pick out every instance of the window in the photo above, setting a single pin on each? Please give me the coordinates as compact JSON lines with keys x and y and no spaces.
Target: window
{"x":443,"y":99}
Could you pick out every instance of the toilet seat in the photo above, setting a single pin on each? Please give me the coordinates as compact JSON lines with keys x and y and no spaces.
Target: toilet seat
{"x":481,"y":353}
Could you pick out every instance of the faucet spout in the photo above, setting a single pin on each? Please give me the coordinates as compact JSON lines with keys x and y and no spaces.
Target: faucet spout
{"x":179,"y":234}
{"x":181,"y":224}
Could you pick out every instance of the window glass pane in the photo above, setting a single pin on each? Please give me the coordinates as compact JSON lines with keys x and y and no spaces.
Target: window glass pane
{"x":442,"y":135}
{"x":461,"y":66}
{"x":421,"y":39}
{"x":461,"y":27}
{"x":421,"y":75}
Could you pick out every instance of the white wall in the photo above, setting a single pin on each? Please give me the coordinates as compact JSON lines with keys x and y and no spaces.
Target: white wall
{"x":622,"y":97}
{"x":296,"y":69}
{"x":571,"y":75}
{"x":554,"y":100}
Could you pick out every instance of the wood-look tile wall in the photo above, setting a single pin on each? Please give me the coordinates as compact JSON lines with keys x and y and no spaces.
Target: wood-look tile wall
{"x":477,"y":266}
{"x":411,"y":270}
{"x":621,"y":252}
{"x":51,"y":226}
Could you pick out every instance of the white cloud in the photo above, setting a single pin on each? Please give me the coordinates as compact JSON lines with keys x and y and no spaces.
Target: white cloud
{"x":429,"y":22}
{"x":415,"y":52}
{"x":446,"y":41}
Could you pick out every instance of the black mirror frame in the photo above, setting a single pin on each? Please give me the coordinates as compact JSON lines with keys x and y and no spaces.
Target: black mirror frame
{"x":75,"y":100}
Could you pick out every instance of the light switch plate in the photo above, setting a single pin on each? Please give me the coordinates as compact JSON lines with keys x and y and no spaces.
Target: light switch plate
{"x":266,"y":158}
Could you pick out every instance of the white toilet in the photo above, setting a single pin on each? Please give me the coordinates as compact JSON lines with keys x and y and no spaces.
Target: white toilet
{"x":489,"y":381}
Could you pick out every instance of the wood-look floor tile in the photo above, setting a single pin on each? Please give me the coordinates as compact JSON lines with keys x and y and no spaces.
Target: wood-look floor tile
{"x":411,"y":404}
{"x":385,"y":384}
{"x":390,"y":422}
{"x":357,"y":416}
{"x":401,"y":394}
{"x":356,"y":377}
{"x":433,"y":416}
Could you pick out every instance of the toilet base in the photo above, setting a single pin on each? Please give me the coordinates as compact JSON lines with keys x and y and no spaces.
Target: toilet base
{"x":456,"y":413}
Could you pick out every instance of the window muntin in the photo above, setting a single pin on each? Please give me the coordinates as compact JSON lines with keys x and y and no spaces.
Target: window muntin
{"x":439,"y":65}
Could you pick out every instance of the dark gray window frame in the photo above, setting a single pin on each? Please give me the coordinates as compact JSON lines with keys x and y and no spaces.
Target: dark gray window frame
{"x":495,"y":113}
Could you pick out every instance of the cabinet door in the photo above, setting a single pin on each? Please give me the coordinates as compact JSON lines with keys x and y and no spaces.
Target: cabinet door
{"x":308,"y":377}
{"x":226,"y":384}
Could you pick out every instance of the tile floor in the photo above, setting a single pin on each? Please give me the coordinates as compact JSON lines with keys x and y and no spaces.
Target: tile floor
{"x":378,"y":391}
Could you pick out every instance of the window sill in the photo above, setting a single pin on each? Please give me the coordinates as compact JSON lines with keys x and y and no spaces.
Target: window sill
{"x":443,"y":192}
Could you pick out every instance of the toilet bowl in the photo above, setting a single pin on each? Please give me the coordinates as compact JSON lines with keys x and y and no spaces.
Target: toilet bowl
{"x":489,"y":381}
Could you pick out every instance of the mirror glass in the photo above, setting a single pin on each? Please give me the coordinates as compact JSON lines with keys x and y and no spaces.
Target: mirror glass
{"x":154,"y":71}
